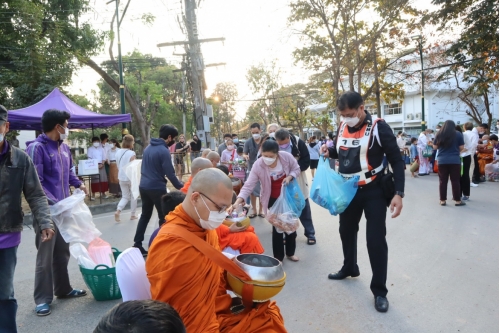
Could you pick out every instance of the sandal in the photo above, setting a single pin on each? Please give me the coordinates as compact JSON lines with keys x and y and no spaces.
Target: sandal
{"x":461,"y":203}
{"x":74,"y":293}
{"x":311,"y":241}
{"x":42,"y":310}
{"x":442,"y":203}
{"x":252,"y":216}
{"x":133,"y":217}
{"x":293,"y":258}
{"x":117,"y":216}
{"x":262,"y":215}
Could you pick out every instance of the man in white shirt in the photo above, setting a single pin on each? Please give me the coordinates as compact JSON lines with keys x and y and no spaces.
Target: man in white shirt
{"x":470,"y":145}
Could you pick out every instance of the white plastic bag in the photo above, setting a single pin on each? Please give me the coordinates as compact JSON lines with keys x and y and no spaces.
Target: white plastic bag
{"x":74,"y":219}
{"x":80,"y":253}
{"x":133,"y":172}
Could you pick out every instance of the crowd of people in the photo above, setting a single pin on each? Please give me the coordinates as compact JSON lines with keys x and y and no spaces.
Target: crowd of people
{"x":183,"y":260}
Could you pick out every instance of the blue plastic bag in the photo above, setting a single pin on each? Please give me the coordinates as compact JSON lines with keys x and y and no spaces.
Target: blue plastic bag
{"x":294,"y":197}
{"x":332,"y":191}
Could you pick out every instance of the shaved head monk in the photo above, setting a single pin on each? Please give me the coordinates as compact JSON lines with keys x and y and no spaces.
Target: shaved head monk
{"x":214,"y":157}
{"x":205,"y":152}
{"x":197,"y":165}
{"x":193,"y":284}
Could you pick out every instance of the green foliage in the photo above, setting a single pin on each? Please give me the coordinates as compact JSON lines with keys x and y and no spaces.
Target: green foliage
{"x":40,"y":42}
{"x":339,"y":41}
{"x":223,"y":104}
{"x":155,"y":88}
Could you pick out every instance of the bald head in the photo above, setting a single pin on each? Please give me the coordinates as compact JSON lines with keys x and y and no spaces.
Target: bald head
{"x":211,"y":190}
{"x":207,"y":180}
{"x":199,"y":164}
{"x":205,"y":152}
{"x":214,"y":157}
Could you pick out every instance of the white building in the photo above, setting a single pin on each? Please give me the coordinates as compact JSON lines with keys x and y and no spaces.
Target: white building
{"x":441,"y":103}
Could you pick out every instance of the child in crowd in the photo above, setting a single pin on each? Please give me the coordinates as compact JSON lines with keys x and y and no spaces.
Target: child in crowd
{"x":240,"y":166}
{"x":413,"y":154}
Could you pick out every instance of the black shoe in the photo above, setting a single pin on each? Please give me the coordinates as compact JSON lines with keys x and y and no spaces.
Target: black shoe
{"x":143,"y":251}
{"x":381,"y":304}
{"x":340,"y":275}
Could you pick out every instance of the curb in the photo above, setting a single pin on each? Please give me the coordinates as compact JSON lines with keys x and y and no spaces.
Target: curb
{"x":95,"y":210}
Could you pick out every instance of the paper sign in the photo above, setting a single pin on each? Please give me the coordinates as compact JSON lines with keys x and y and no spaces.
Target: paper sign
{"x":90,"y":165}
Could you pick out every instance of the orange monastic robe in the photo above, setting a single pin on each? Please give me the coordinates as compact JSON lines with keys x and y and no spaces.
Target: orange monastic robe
{"x":186,"y":185}
{"x":194,"y":285}
{"x":245,"y":241}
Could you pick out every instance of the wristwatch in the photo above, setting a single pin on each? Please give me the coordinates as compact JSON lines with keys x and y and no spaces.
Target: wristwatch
{"x":401,"y":194}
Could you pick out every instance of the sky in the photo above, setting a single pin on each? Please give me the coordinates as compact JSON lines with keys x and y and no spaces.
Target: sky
{"x":255,"y":31}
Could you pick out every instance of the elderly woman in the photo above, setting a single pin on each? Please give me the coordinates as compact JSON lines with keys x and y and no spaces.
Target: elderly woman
{"x":273,"y":170}
{"x":424,"y":140}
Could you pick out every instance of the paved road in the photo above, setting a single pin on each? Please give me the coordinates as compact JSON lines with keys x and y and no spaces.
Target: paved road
{"x":443,"y":272}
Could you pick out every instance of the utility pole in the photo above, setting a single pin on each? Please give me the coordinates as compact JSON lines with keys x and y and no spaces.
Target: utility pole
{"x":196,"y":70}
{"x":120,"y":63}
{"x":418,"y":38}
{"x":377,"y":85}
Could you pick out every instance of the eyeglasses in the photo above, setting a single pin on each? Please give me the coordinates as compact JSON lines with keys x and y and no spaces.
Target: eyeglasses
{"x":221,"y":209}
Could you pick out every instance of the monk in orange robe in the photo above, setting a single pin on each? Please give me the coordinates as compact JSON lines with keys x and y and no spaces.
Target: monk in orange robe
{"x":197,"y":165}
{"x":188,"y":280}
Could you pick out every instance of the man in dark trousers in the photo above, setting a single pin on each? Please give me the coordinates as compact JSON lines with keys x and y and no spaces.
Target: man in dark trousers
{"x":297,"y":147}
{"x":17,"y":177}
{"x":361,"y":145}
{"x":156,"y":165}
{"x":54,"y":165}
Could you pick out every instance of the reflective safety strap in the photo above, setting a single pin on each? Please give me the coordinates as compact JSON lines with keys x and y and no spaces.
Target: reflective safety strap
{"x":373,"y":172}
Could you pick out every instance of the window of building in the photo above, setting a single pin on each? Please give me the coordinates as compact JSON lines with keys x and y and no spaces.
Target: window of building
{"x":372,"y":109}
{"x":390,"y":109}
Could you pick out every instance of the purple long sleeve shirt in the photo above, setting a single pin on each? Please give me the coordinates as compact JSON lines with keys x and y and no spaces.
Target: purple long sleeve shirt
{"x":53,"y":162}
{"x":8,"y":239}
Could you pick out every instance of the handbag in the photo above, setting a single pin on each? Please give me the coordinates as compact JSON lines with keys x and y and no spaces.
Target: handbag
{"x":427,"y":152}
{"x":387,"y":184}
{"x":414,"y":167}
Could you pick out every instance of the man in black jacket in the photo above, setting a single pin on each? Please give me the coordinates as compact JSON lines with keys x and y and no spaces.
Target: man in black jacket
{"x":156,"y":168}
{"x":297,"y":147}
{"x":361,"y":145}
{"x":17,"y":176}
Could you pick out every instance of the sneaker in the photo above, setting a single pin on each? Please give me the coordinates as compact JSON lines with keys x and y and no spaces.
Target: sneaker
{"x":92,"y":199}
{"x":143,"y":251}
{"x":464,"y":198}
{"x":473,"y":185}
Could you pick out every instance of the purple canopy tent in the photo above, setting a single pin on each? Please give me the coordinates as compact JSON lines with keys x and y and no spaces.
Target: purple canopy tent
{"x":30,"y":118}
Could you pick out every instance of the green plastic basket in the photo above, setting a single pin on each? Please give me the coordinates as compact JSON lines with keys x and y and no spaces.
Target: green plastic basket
{"x":102,"y":282}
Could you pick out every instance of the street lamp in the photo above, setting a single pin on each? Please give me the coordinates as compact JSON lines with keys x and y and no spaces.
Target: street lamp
{"x":418,"y":38}
{"x":120,"y":63}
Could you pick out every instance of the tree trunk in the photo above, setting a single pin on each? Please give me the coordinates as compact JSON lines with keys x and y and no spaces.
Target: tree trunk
{"x":141,"y":122}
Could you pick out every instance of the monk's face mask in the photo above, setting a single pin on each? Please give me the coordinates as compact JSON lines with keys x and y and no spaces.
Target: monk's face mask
{"x":215,"y":218}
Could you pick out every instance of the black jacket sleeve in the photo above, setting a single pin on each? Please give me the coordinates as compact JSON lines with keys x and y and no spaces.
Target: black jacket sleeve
{"x":393,"y":154}
{"x":305,"y":158}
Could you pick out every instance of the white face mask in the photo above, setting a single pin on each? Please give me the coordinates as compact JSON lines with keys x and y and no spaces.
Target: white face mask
{"x":2,"y":137}
{"x":65,"y":135}
{"x":351,"y":122}
{"x":215,"y":218}
{"x":271,"y":135}
{"x":485,"y":142}
{"x":256,"y":136}
{"x":96,"y":144}
{"x":230,"y":147}
{"x":114,"y":144}
{"x":268,"y":160}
